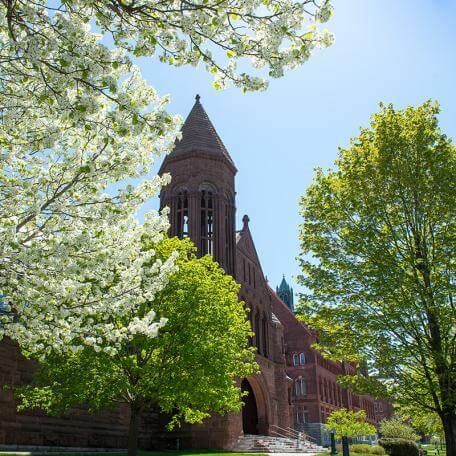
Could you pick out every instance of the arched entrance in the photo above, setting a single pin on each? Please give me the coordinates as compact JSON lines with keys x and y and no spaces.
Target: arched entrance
{"x":249,"y":411}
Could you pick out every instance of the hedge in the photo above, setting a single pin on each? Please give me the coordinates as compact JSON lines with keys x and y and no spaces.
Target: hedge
{"x":399,"y":447}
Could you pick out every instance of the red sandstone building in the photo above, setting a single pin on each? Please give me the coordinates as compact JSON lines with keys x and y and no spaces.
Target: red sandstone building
{"x":296,"y":387}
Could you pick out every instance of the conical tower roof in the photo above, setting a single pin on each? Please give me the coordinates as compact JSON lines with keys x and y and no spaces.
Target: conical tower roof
{"x":284,"y":285}
{"x":199,"y":135}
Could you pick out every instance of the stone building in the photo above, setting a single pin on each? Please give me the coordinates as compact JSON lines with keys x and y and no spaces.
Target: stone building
{"x":295,"y":389}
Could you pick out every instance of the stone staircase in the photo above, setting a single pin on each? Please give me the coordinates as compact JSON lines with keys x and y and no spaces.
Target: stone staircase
{"x":268,"y":444}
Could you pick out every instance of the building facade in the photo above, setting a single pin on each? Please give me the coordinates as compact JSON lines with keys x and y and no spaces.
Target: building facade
{"x":295,"y":388}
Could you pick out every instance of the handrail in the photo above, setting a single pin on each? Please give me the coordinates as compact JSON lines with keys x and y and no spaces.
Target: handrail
{"x":280,"y":434}
{"x":292,"y":431}
{"x":298,"y":435}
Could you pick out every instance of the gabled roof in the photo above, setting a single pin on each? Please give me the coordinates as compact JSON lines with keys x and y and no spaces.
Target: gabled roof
{"x":199,"y":135}
{"x":245,"y":244}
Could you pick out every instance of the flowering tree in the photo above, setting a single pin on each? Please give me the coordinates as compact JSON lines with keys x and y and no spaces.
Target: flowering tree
{"x":189,"y":371}
{"x":68,"y":250}
{"x":76,"y":115}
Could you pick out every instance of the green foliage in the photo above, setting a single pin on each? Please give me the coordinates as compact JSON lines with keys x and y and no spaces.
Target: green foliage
{"x":396,"y":428}
{"x":423,"y":420}
{"x":189,"y":370}
{"x":365,"y":448}
{"x":378,"y":245}
{"x":399,"y":447}
{"x":349,"y":423}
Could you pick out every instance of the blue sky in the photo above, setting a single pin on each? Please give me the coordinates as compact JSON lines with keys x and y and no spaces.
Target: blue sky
{"x":399,"y":51}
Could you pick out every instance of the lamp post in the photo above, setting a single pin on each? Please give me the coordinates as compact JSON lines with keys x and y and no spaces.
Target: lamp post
{"x":333,"y":444}
{"x":345,"y":449}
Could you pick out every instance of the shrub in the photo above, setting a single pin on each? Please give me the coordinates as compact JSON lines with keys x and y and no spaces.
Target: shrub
{"x":360,"y":448}
{"x":399,"y":447}
{"x":365,"y":448}
{"x":395,"y":428}
{"x":378,"y":450}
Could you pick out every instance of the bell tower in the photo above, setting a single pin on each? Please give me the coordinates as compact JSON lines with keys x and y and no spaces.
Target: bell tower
{"x":201,"y":195}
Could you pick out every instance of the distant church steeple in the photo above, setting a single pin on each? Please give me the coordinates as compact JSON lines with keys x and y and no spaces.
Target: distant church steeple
{"x":285,"y":293}
{"x":201,"y":196}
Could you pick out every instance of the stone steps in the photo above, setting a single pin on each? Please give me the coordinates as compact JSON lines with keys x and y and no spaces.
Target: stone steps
{"x":269,"y":444}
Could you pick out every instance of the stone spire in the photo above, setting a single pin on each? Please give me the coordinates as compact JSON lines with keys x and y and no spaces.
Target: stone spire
{"x":202,"y":197}
{"x":200,"y":136}
{"x":285,"y":293}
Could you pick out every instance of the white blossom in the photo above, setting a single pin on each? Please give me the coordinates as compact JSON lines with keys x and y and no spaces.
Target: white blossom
{"x":77,"y":117}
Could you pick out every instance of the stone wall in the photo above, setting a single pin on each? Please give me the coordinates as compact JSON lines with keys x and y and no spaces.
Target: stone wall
{"x":77,"y":429}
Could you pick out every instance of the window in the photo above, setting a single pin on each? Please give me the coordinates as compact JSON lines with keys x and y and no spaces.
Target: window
{"x":265,"y":336}
{"x":243,"y":263}
{"x":229,"y":233}
{"x":207,"y":222}
{"x":300,"y":387}
{"x":301,"y":415}
{"x":257,"y":331}
{"x":295,"y":359}
{"x":302,"y":359}
{"x":182,"y":215}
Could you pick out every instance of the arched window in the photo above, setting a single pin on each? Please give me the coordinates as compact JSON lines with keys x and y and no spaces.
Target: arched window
{"x":207,"y":221}
{"x":295,"y":359}
{"x":300,"y":387}
{"x":302,"y":359}
{"x":182,"y":215}
{"x":230,"y":230}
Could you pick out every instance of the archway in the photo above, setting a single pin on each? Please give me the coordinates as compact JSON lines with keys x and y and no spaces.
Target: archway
{"x":249,"y":411}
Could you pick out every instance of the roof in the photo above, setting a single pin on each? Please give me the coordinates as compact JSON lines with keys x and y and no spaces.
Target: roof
{"x":199,"y":135}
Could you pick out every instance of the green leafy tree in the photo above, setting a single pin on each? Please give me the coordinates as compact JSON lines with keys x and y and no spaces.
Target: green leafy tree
{"x":349,"y":423}
{"x":396,"y":428}
{"x":378,"y":255}
{"x":189,"y":371}
{"x":423,"y":420}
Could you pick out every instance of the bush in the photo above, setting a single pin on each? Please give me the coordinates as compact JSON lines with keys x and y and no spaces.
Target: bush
{"x":399,"y":447}
{"x":378,"y":450}
{"x":395,"y":428}
{"x":365,"y":448}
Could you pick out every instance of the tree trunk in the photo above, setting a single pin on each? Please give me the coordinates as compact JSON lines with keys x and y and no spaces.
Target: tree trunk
{"x":449,"y":426}
{"x":133,"y":430}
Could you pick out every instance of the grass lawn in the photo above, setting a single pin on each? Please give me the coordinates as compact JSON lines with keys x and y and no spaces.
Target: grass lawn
{"x":431,"y":451}
{"x":434,"y":450}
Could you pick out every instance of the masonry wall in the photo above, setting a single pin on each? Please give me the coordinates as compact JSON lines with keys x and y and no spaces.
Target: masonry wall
{"x":323,"y":394}
{"x":77,"y":429}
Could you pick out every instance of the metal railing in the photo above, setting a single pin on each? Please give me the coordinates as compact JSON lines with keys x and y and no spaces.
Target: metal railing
{"x":290,"y":433}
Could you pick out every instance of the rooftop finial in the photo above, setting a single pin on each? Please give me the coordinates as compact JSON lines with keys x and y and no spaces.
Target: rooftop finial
{"x":245,"y":221}
{"x":197,"y":98}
